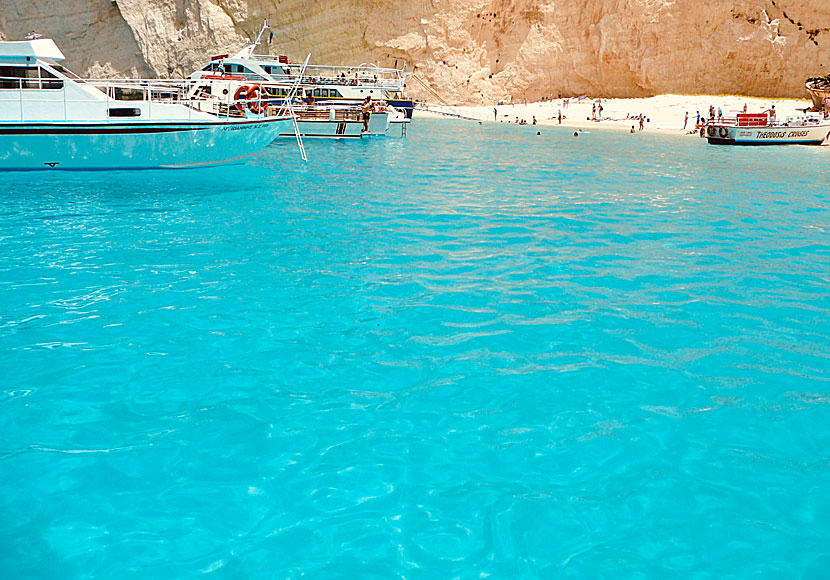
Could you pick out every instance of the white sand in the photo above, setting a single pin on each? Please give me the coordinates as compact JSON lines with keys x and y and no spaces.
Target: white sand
{"x":665,"y":113}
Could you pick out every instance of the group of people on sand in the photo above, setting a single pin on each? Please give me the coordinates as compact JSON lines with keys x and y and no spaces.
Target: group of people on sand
{"x":641,"y":118}
{"x":596,"y":110}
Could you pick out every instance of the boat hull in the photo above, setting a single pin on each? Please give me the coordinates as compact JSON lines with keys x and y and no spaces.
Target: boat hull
{"x":136,"y":145}
{"x":777,"y":135}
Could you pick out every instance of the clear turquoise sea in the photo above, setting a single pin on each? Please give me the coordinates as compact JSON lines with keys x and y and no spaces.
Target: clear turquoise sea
{"x":472,"y":353}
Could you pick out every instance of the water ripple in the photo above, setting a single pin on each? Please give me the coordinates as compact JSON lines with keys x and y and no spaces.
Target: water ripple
{"x":476,"y":352}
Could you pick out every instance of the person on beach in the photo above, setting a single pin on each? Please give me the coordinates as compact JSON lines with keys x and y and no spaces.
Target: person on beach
{"x":366,"y":110}
{"x":697,"y":122}
{"x":686,"y":120}
{"x":642,"y":117}
{"x":534,"y":119}
{"x":495,"y":114}
{"x":632,"y":129}
{"x":560,"y":116}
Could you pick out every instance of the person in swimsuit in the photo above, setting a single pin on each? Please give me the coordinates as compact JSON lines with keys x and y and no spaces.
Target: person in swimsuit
{"x":366,"y":109}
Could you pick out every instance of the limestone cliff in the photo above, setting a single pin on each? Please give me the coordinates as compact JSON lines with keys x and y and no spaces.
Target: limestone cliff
{"x":470,"y":51}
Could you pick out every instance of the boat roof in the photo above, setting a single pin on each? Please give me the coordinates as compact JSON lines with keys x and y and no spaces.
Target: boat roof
{"x":42,"y":48}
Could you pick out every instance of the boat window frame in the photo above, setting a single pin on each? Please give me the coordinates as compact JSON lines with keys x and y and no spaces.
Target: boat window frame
{"x":35,"y":77}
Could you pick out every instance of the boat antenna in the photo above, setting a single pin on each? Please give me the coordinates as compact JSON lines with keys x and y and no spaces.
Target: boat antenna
{"x":262,"y":30}
{"x":287,"y":103}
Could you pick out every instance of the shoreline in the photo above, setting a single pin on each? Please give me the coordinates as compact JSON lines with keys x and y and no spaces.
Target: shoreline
{"x":663,"y":114}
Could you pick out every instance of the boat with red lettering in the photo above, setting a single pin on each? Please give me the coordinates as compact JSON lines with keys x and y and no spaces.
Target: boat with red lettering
{"x":762,"y":129}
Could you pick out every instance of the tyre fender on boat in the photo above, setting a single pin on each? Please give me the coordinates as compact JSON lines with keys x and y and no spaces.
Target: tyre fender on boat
{"x":723,"y":132}
{"x":710,"y":131}
{"x":241,"y":93}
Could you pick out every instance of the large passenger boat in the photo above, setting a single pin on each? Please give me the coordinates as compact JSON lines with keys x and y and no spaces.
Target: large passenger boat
{"x":819,"y":90}
{"x":50,"y":118}
{"x":763,"y":129}
{"x":320,"y":85}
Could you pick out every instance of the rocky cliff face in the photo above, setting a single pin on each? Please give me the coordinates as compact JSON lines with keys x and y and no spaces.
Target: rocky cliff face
{"x":469,"y":51}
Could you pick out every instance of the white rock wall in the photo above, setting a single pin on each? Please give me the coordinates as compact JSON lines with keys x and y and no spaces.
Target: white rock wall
{"x":470,"y":51}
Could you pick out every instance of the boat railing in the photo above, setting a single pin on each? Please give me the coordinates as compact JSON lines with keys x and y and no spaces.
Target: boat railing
{"x":117,"y":94}
{"x":391,"y":84}
{"x":327,"y":114}
{"x":741,"y":120}
{"x":31,"y":83}
{"x":319,"y":69}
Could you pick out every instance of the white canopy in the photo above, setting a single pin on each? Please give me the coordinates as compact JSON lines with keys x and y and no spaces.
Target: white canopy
{"x":43,"y":48}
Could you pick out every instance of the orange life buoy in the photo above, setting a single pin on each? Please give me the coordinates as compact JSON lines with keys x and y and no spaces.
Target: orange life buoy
{"x":241,"y":93}
{"x":255,"y":102}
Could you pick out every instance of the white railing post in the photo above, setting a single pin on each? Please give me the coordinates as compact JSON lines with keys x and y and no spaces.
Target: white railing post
{"x":20,"y":91}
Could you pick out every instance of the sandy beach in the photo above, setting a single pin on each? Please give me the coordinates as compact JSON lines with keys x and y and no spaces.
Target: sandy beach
{"x":663,"y":113}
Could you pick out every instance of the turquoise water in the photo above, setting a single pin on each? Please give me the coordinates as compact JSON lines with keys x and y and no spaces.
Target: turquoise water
{"x":473,"y":353}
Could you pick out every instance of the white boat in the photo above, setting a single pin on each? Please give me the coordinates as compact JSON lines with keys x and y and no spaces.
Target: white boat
{"x":50,"y":118}
{"x":762,"y":129}
{"x":819,"y":91}
{"x":319,"y":84}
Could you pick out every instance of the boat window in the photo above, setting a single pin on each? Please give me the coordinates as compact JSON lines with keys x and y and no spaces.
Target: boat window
{"x":124,"y":112}
{"x":128,"y":94}
{"x":316,"y":92}
{"x":334,"y":93}
{"x":64,"y":71}
{"x":15,"y":77}
{"x":48,"y":80}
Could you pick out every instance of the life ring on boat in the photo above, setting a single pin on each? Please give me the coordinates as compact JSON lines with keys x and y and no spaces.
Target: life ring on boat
{"x":723,"y":132}
{"x":711,"y":131}
{"x":255,"y":102}
{"x":241,"y":93}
